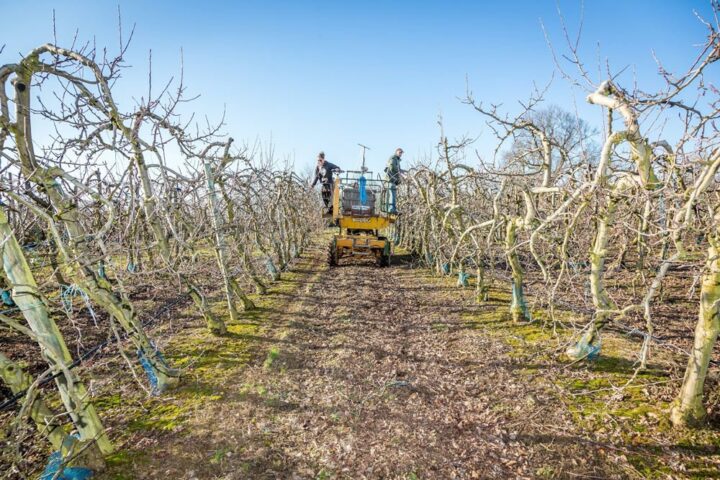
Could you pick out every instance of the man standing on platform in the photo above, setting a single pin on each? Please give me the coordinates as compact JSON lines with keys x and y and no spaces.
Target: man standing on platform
{"x":324,"y":174}
{"x":392,"y":176}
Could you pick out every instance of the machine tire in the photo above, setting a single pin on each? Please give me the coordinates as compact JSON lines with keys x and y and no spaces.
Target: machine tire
{"x":384,"y":261}
{"x":332,"y":255}
{"x":384,"y":258}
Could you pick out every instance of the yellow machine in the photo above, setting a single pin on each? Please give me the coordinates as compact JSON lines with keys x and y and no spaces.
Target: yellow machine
{"x":361,"y":211}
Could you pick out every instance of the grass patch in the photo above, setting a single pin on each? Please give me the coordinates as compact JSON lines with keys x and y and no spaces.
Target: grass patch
{"x":126,"y":460}
{"x":606,"y":397}
{"x":272,"y":355}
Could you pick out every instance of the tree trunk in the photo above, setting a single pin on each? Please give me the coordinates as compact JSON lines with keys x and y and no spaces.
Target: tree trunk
{"x":45,"y":420}
{"x":52,"y":344}
{"x":518,"y":306}
{"x":79,"y":255}
{"x":688,"y":408}
{"x":601,"y":300}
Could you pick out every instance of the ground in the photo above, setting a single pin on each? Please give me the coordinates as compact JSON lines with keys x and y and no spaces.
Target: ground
{"x":357,"y":371}
{"x":361,"y":372}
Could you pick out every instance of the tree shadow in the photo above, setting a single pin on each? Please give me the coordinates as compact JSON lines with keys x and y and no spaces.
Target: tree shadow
{"x":619,"y":365}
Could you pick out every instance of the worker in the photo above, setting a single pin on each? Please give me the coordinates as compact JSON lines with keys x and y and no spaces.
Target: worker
{"x":324,"y":174}
{"x":392,"y":176}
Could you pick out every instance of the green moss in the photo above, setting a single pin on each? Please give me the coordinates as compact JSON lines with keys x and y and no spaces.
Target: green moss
{"x":701,"y":469}
{"x":528,"y":371}
{"x":440,"y":326}
{"x":119,"y":462}
{"x":163,"y":417}
{"x":122,"y":457}
{"x":196,"y":390}
{"x":108,"y":402}
{"x":219,"y":455}
{"x":272,"y":355}
{"x":580,"y":385}
{"x":648,"y":466}
{"x":593,"y":397}
{"x":545,"y":472}
{"x":252,"y":389}
{"x":636,"y":412}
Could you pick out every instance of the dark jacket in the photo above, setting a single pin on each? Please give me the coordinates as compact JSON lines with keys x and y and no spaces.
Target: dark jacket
{"x":392,"y":171}
{"x":325,"y":174}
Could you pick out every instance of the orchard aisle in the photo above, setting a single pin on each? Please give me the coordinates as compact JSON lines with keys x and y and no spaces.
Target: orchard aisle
{"x":378,"y":374}
{"x":365,"y":372}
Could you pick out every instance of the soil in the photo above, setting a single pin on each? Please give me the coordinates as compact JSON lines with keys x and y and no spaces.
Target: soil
{"x":357,"y":371}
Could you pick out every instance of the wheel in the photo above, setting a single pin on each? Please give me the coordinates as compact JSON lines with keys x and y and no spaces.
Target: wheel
{"x":384,"y":257}
{"x":384,"y":260}
{"x":332,"y":255}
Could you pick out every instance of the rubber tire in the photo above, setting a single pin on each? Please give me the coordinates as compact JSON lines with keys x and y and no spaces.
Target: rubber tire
{"x":384,"y":261}
{"x":384,"y":258}
{"x":332,"y":255}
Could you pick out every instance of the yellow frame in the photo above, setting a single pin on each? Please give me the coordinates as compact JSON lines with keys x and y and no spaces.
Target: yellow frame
{"x":377,"y":222}
{"x":367,"y":241}
{"x":352,"y":241}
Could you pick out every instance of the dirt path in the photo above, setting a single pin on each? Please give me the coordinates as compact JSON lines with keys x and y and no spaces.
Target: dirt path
{"x":379,"y":373}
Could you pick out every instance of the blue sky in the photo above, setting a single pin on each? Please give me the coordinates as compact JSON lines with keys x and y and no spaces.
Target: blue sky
{"x":329,"y":75}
